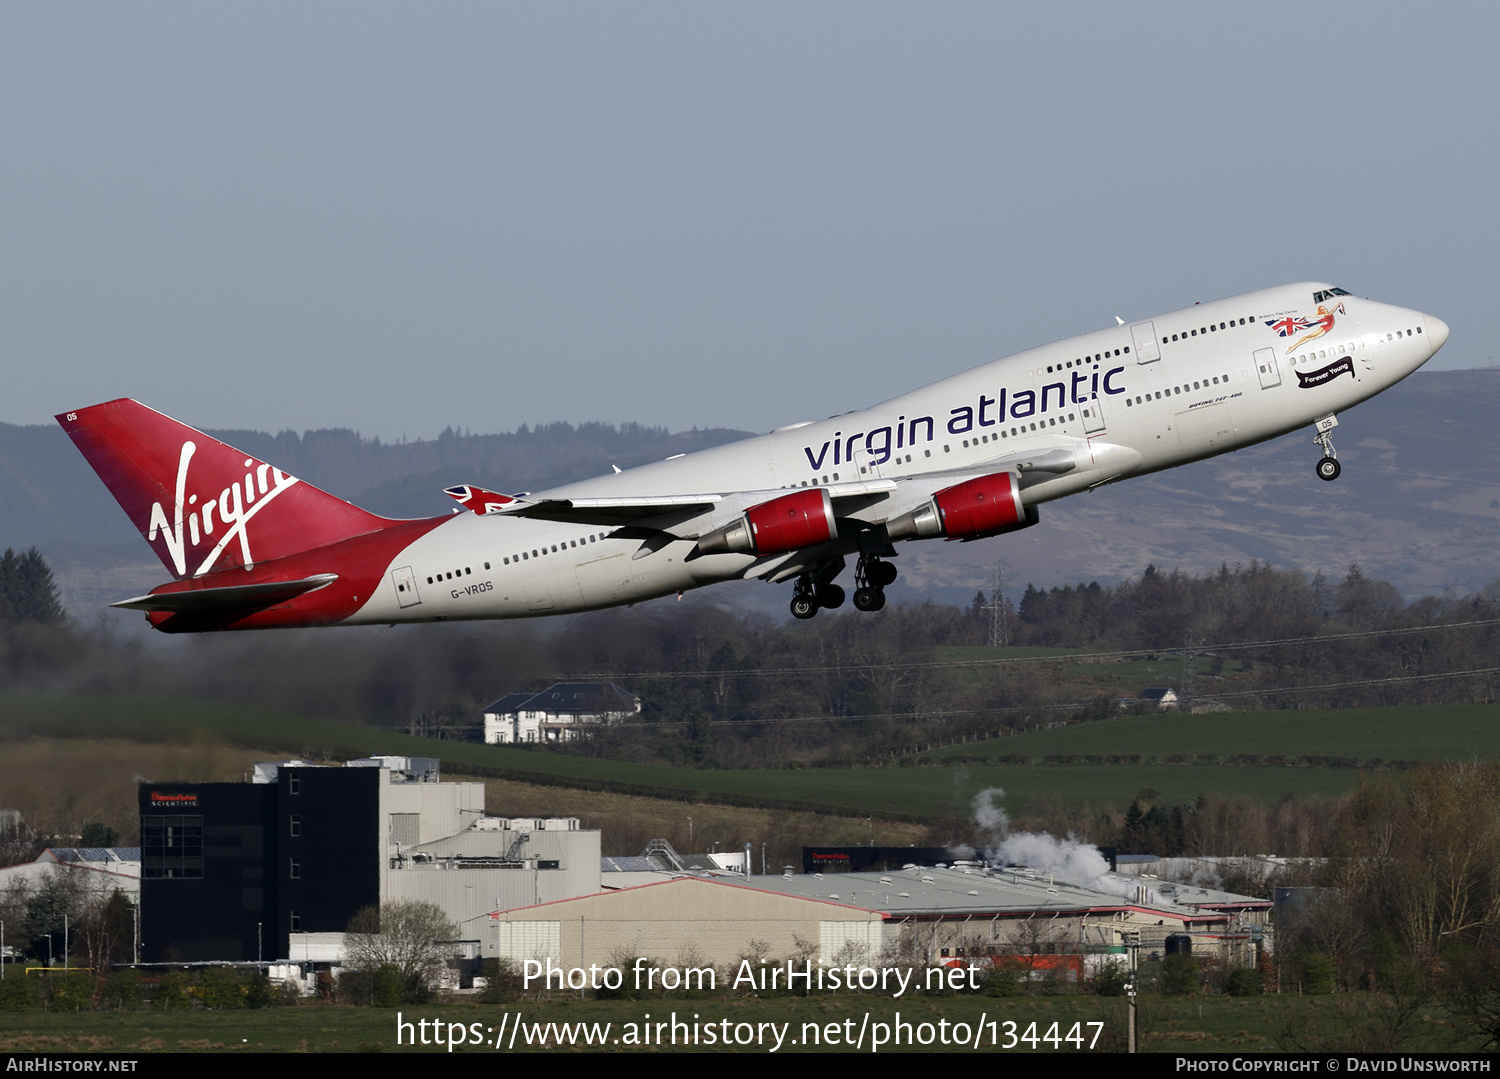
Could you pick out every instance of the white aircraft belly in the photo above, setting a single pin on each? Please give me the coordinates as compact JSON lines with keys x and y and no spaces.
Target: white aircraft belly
{"x":593,"y":574}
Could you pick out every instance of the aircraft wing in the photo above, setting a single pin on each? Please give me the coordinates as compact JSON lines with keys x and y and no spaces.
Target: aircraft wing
{"x":239,"y":597}
{"x":626,"y":510}
{"x":609,"y":512}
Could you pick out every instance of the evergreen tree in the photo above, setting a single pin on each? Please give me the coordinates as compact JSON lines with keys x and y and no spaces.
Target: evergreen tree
{"x":27,"y":591}
{"x":1133,"y":834}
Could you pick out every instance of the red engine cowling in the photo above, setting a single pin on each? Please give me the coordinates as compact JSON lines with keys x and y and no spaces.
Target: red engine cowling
{"x":984,"y":506}
{"x":792,"y":521}
{"x":981,"y":506}
{"x":800,"y":519}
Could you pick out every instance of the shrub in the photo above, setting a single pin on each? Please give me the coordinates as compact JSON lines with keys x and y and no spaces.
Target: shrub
{"x":1179,"y":975}
{"x":1245,"y":983}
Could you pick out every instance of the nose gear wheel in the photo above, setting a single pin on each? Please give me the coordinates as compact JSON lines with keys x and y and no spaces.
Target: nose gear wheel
{"x":1328,"y":466}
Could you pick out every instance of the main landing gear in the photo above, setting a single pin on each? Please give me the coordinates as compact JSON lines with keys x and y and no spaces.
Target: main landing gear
{"x":1328,"y":466}
{"x":809,"y":598}
{"x":870,"y":576}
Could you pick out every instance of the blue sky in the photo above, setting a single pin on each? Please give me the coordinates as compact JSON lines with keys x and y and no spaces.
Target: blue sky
{"x":398,"y":218}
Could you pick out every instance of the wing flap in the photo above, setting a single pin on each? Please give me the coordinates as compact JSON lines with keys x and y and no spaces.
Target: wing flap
{"x":611,"y":512}
{"x":628,"y":509}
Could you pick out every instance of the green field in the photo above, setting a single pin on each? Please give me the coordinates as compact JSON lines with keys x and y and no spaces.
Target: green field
{"x":1089,"y":674}
{"x":1198,"y":1024}
{"x":1434,"y":732}
{"x":1200,"y":746}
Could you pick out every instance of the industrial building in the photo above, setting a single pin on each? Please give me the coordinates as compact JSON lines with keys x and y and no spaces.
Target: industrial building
{"x":915,"y":915}
{"x":275,"y":868}
{"x":98,"y":872}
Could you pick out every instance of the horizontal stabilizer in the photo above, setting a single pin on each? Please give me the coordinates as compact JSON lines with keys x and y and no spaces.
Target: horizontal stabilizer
{"x":239,"y":597}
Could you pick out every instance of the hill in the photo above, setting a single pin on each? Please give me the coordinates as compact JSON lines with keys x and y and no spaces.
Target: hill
{"x":1418,"y":502}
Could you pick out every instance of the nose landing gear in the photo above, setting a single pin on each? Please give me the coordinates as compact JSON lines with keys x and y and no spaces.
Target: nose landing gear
{"x":1328,"y":466}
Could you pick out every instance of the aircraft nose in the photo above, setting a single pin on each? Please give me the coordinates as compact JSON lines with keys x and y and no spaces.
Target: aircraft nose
{"x":1437,"y":331}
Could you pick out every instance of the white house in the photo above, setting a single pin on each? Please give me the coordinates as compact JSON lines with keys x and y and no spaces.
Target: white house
{"x":562,"y":713}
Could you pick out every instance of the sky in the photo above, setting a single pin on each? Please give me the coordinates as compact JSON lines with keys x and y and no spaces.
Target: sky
{"x":399,"y":218}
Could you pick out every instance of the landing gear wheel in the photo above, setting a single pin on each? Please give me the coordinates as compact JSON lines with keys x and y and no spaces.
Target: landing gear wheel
{"x":830,"y":596}
{"x":872,"y":574}
{"x":869,"y":599}
{"x":804,"y":606}
{"x":1328,"y":465}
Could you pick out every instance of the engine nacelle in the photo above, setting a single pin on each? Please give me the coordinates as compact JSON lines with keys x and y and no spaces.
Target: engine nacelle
{"x":986,"y":506}
{"x":800,"y":519}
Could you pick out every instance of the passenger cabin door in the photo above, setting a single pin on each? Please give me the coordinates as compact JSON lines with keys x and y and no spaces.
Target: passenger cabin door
{"x":1265,"y":364}
{"x":1147,"y":350}
{"x":406,"y":587}
{"x":1093,"y":417}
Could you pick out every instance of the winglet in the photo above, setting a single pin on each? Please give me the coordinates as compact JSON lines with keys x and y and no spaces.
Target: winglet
{"x":478,"y":499}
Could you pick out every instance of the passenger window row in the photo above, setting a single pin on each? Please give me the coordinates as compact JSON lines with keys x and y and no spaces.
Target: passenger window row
{"x":1210,"y":328}
{"x":554,"y":549}
{"x":455,"y":573}
{"x":1203,"y":384}
{"x":1099,"y":357}
{"x":1016,"y":432}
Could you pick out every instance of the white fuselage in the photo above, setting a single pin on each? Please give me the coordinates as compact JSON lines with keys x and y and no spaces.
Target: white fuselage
{"x":1124,"y":401}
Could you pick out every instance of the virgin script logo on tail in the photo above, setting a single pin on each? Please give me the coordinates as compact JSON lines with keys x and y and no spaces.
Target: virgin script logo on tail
{"x":233,"y":507}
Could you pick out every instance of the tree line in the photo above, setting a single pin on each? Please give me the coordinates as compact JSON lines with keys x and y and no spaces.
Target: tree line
{"x":729,"y":688}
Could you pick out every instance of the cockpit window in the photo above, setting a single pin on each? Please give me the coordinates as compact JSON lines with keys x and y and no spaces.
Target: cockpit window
{"x":1320,"y":296}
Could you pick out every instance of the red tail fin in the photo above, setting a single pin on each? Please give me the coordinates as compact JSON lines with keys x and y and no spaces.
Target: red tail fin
{"x":203,"y":505}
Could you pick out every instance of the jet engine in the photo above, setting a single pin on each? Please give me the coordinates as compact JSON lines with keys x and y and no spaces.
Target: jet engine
{"x":985,"y":506}
{"x":801,"y":519}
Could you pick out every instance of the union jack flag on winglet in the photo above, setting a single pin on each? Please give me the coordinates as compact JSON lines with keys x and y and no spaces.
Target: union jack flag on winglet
{"x":477,"y":499}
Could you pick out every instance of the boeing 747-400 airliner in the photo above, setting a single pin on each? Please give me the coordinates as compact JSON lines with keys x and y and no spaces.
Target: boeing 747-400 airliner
{"x":971,"y":456}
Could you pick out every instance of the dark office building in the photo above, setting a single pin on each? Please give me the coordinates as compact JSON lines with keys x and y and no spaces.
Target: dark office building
{"x":229,"y":869}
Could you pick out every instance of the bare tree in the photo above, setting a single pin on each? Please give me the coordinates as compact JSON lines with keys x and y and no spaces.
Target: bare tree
{"x":412,"y":937}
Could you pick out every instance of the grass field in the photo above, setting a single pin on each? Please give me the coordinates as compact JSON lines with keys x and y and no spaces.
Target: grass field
{"x":1091,"y":676}
{"x":1199,"y":745}
{"x":1437,"y":732}
{"x":1199,"y":1024}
